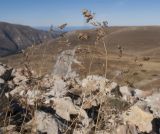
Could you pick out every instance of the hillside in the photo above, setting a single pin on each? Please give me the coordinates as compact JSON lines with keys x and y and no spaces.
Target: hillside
{"x":14,"y":38}
{"x":130,"y":69}
{"x":136,"y":40}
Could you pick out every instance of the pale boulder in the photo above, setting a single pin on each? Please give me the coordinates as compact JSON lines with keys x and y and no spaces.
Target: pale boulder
{"x":140,"y":118}
{"x":43,"y":123}
{"x":2,"y":70}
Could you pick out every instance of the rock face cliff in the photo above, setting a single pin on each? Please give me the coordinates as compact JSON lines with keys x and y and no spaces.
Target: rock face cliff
{"x":14,"y":38}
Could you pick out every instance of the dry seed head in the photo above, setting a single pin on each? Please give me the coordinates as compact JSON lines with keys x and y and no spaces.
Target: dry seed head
{"x":83,"y":36}
{"x":87,"y":15}
{"x":100,"y":33}
{"x":105,"y":24}
{"x":62,"y":26}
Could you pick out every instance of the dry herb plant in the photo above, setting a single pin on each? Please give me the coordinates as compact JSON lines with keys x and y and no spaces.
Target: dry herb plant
{"x":35,"y":82}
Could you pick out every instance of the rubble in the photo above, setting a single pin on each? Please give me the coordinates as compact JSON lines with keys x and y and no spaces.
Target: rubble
{"x":55,"y":104}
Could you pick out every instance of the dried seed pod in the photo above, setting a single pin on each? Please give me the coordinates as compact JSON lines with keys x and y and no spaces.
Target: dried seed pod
{"x":62,"y":26}
{"x":88,"y":15}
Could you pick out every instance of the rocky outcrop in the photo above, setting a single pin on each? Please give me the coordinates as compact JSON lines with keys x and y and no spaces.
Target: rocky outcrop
{"x":53,"y":104}
{"x":64,"y":63}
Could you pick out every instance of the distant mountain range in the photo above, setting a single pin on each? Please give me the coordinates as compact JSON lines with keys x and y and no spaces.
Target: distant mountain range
{"x":14,"y":38}
{"x":67,"y":29}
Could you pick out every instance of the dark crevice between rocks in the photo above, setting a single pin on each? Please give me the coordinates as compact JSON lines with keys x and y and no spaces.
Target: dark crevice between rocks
{"x":4,"y":103}
{"x":156,"y":126}
{"x":116,"y":92}
{"x":19,"y":115}
{"x":7,"y":75}
{"x":4,"y":88}
{"x":45,"y":109}
{"x":77,"y":100}
{"x":93,"y":112}
{"x":15,"y":114}
{"x":72,"y":96}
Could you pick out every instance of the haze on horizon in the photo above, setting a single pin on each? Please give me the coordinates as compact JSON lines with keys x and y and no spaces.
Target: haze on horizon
{"x":56,"y":12}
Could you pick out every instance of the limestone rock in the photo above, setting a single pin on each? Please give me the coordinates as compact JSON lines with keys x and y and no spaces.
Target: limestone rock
{"x":94,"y":83}
{"x":2,"y":70}
{"x":1,"y":81}
{"x":64,"y":108}
{"x":153,"y":102}
{"x":126,"y":129}
{"x":111,"y":86}
{"x":141,"y":94}
{"x":56,"y":87}
{"x":63,"y":65}
{"x":18,"y":90}
{"x":139,"y":118}
{"x":19,"y":77}
{"x":8,"y":129}
{"x":42,"y":123}
{"x":126,"y":93}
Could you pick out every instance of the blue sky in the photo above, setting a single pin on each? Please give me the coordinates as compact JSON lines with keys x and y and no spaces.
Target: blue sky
{"x":47,"y":12}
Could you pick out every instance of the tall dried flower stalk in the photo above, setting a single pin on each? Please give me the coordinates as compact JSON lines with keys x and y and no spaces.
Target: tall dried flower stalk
{"x":101,"y":32}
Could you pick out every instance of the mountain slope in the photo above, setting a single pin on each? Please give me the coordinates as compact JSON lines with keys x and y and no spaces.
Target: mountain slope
{"x":137,"y":42}
{"x":14,"y":38}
